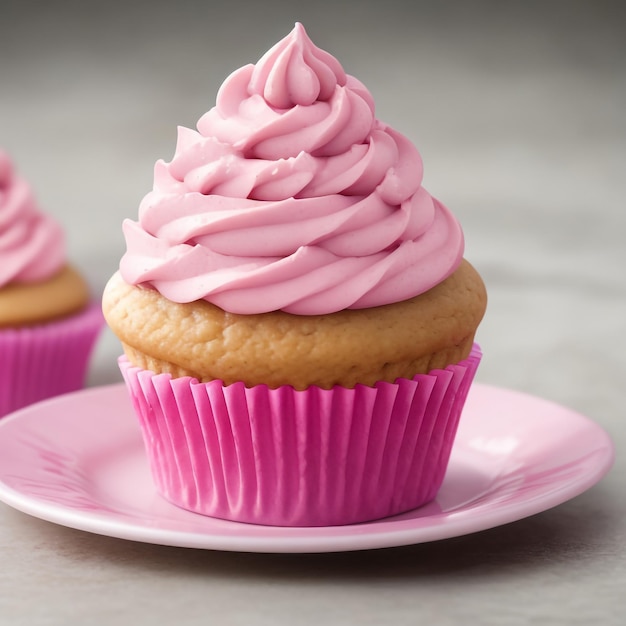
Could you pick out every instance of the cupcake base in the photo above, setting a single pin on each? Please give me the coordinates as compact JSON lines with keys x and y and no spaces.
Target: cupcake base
{"x":42,"y":361}
{"x":283,"y":457}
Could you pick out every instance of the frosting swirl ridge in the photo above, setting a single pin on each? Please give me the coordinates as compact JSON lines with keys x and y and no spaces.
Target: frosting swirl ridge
{"x":32,"y":246}
{"x":291,"y":196}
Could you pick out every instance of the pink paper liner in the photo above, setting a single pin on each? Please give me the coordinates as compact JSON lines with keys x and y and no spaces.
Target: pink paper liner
{"x":38,"y":362}
{"x":299,"y":458}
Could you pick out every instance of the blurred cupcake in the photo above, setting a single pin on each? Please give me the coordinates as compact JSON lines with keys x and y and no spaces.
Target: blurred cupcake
{"x":296,"y":314}
{"x":48,"y":325}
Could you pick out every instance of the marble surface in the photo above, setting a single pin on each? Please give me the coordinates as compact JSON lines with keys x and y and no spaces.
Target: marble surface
{"x":518,"y":112}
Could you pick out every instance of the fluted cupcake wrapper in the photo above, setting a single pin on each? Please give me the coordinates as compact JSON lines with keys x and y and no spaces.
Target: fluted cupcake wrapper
{"x":299,"y":458}
{"x":38,"y":362}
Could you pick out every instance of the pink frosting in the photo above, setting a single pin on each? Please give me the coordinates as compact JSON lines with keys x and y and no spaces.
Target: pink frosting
{"x":291,"y":196}
{"x":32,"y":245}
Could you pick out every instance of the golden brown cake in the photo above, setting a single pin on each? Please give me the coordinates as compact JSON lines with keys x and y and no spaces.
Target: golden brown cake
{"x":23,"y":304}
{"x":344,"y":348}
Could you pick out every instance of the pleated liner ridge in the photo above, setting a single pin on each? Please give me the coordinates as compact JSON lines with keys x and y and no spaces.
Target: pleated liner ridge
{"x":299,"y":458}
{"x":42,"y":361}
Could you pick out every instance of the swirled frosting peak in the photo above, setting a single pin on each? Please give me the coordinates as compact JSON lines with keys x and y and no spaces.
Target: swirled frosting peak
{"x":32,"y":246}
{"x":291,"y":196}
{"x":295,"y":71}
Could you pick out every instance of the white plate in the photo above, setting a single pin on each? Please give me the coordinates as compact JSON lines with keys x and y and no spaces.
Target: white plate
{"x":78,"y":460}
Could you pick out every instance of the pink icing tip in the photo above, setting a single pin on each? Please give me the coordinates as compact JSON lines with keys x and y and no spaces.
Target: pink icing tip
{"x":291,"y":196}
{"x":295,"y":71}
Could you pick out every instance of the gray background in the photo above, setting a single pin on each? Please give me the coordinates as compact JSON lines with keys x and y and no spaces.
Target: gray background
{"x":518,"y":111}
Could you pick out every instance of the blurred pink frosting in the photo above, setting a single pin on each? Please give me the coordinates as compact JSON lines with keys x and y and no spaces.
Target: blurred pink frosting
{"x":32,"y":244}
{"x":291,"y":196}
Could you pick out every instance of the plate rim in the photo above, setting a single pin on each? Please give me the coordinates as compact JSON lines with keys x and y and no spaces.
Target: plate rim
{"x":370,"y":535}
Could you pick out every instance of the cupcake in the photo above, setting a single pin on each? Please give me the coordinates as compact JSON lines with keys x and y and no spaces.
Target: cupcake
{"x":48,"y":325}
{"x":296,"y":315}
